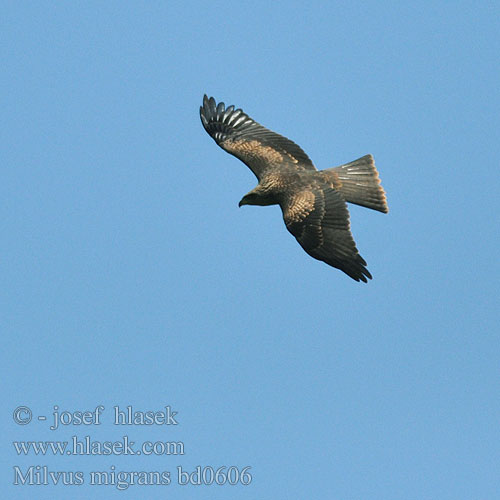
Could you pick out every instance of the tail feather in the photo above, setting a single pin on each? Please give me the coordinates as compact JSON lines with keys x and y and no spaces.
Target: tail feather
{"x":359,"y":183}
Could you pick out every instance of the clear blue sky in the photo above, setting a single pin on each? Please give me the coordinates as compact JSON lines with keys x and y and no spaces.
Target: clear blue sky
{"x":131,"y":277}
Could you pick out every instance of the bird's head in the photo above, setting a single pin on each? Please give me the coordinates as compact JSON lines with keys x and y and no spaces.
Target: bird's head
{"x":258,"y":196}
{"x":250,"y":198}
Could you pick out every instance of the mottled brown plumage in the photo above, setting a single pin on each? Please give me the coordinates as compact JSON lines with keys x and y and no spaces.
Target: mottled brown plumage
{"x":313,"y":202}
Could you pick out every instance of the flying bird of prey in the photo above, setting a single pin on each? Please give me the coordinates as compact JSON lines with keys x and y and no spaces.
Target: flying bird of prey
{"x":313,"y":202}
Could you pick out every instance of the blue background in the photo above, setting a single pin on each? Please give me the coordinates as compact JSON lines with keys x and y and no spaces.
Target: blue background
{"x":132,"y":278}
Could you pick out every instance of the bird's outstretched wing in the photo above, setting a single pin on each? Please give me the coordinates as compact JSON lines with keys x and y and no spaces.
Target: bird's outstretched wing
{"x":318,"y":218}
{"x":259,"y":148}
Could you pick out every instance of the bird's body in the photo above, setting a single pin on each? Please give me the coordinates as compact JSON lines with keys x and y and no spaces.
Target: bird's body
{"x":313,"y":202}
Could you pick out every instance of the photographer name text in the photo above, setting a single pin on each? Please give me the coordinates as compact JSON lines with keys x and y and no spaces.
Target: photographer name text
{"x":120,"y":416}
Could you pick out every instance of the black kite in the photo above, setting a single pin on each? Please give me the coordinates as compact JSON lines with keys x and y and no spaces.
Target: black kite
{"x":313,"y":202}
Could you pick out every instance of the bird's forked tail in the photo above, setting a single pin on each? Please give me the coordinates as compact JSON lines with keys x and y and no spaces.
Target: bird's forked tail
{"x":359,"y":183}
